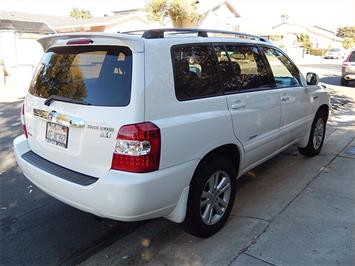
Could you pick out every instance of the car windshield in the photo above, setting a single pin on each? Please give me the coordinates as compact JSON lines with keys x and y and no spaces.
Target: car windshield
{"x":334,"y":50}
{"x":97,"y":75}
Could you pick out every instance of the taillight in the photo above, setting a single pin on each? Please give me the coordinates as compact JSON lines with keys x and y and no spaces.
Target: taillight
{"x":23,"y":123}
{"x":137,"y":148}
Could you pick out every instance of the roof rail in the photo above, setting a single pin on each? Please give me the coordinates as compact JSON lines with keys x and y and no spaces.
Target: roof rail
{"x":159,"y":33}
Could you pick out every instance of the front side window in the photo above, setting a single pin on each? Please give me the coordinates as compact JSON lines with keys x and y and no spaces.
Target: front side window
{"x":249,"y":70}
{"x":284,"y":71}
{"x":195,"y":72}
{"x":97,"y":75}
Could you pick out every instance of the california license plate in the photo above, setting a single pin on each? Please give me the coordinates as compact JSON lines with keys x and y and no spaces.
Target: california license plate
{"x":57,"y":134}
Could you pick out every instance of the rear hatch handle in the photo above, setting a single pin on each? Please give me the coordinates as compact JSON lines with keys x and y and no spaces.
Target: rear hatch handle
{"x":53,"y":98}
{"x":62,"y":119}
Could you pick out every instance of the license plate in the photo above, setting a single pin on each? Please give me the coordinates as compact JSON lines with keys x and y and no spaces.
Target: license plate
{"x":57,"y":134}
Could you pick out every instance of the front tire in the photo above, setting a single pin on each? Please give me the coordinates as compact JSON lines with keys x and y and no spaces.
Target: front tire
{"x":211,"y":197}
{"x":316,"y":137}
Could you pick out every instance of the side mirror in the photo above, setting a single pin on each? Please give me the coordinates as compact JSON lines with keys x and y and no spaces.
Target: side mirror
{"x":312,"y":78}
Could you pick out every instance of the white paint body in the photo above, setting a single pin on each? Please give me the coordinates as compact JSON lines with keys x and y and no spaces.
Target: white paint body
{"x":264,"y":126}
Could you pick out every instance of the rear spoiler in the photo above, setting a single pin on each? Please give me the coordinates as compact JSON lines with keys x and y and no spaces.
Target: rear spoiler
{"x":134,"y":42}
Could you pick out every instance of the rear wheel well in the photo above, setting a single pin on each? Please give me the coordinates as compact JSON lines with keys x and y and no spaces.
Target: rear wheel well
{"x":324,"y":108}
{"x":228,"y":151}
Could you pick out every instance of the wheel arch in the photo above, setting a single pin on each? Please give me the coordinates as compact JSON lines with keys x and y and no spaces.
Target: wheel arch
{"x":230,"y":151}
{"x":325,"y":109}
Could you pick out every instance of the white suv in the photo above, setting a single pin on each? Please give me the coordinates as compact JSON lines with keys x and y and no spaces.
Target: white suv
{"x":160,"y":123}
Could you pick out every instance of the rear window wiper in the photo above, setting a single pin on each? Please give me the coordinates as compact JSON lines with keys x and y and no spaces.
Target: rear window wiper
{"x":53,"y":98}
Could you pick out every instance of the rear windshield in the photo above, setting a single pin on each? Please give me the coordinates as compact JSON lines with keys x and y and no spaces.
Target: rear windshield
{"x":97,"y":75}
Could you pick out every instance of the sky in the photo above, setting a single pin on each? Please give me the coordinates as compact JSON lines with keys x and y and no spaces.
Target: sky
{"x":325,"y":13}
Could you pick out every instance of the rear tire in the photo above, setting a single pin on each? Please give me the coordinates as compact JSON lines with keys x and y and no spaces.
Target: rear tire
{"x":344,"y":82}
{"x":316,"y":137}
{"x":211,"y":197}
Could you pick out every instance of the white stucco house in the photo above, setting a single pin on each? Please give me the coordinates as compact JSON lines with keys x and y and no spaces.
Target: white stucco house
{"x":320,"y":37}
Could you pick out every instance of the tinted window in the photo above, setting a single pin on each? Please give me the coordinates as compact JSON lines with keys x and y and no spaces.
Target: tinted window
{"x":285,"y":72}
{"x":98,"y":75}
{"x":228,"y":76}
{"x":195,"y":72}
{"x":352,"y":57}
{"x":249,"y":70}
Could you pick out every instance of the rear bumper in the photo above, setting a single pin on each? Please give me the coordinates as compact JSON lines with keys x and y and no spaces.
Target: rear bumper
{"x":118,"y":195}
{"x":349,"y":76}
{"x":348,"y":73}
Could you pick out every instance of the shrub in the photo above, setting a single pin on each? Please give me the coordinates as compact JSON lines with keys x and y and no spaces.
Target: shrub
{"x":318,"y":52}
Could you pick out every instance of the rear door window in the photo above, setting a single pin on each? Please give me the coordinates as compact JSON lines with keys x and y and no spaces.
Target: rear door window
{"x":249,"y":70}
{"x":97,"y":75}
{"x":195,"y":72}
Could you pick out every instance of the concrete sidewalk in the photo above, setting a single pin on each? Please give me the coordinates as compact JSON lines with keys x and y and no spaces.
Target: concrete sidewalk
{"x":290,"y":210}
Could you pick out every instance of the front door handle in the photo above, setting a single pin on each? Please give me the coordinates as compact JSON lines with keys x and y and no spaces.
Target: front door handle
{"x":238,"y":105}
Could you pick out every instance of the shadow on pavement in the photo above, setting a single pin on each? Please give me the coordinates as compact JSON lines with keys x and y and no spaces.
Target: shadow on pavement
{"x":334,"y":80}
{"x":341,"y":110}
{"x":36,"y":229}
{"x":331,"y":80}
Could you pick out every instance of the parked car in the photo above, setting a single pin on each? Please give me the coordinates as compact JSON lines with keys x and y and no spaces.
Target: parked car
{"x":335,"y":53}
{"x":161,"y":123}
{"x":348,"y":69}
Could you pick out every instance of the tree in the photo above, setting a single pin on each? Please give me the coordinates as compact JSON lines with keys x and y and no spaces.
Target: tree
{"x":305,"y":40}
{"x":181,"y":12}
{"x":80,"y":13}
{"x":348,"y":33}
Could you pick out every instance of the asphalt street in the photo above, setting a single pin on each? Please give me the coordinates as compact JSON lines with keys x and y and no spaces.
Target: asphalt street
{"x":39,"y":230}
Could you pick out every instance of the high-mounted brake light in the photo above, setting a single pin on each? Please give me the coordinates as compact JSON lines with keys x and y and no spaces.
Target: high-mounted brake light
{"x":80,"y":41}
{"x":137,"y":148}
{"x":23,"y":123}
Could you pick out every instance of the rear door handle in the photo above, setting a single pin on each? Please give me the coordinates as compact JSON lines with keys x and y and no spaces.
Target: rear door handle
{"x":238,"y":105}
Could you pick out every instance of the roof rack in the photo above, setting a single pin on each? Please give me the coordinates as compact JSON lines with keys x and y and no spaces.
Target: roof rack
{"x":159,"y":33}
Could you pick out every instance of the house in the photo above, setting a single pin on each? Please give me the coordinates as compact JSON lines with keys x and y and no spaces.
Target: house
{"x":114,"y":22}
{"x":221,"y":16}
{"x":19,"y":50}
{"x":320,"y":37}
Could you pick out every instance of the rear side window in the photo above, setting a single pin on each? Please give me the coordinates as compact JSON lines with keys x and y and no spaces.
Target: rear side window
{"x":195,"y":72}
{"x":97,"y":75}
{"x":249,"y":70}
{"x":285,"y":72}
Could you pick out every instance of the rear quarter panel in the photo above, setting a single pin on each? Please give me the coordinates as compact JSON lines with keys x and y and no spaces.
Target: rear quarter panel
{"x":189,"y":129}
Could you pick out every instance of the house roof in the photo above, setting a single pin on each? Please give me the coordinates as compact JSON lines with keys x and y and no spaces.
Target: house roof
{"x":25,"y":26}
{"x":53,"y":21}
{"x":61,"y":22}
{"x":311,"y":29}
{"x":204,"y":7}
{"x":100,"y":21}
